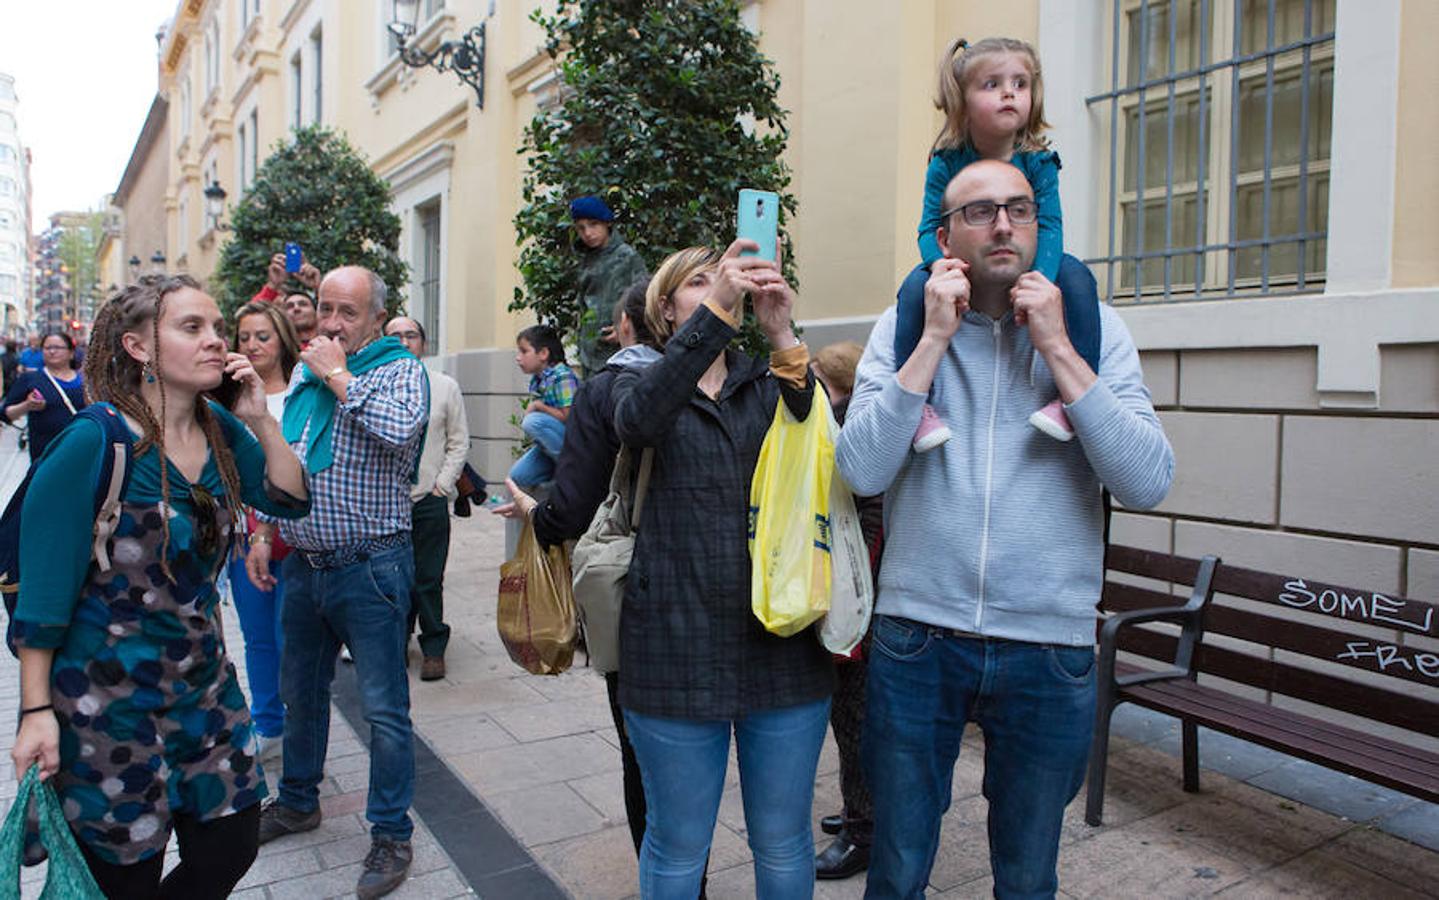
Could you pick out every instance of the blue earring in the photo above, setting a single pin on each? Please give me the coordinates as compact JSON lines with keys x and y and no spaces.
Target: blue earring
{"x":149,"y":374}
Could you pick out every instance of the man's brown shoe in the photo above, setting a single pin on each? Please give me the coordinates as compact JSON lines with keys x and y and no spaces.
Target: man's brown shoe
{"x":277,"y":820}
{"x":386,"y":866}
{"x":432,"y":669}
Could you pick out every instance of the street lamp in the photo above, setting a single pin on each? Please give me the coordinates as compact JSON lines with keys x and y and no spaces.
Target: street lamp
{"x":465,"y":57}
{"x":134,"y":268}
{"x":157,"y":263}
{"x":215,"y":206}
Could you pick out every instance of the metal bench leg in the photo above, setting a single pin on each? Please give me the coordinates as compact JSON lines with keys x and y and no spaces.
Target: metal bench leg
{"x":1098,"y":759}
{"x":1191,"y":756}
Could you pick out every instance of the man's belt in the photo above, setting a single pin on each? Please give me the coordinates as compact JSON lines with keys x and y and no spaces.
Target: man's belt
{"x":357,"y":552}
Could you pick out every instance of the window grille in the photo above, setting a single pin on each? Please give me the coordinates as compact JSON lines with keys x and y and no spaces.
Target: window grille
{"x":430,"y":273}
{"x":317,"y":64}
{"x":1219,"y":115}
{"x":297,"y":91}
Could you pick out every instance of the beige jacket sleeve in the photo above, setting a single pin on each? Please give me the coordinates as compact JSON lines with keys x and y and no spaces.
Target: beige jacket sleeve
{"x":457,"y":439}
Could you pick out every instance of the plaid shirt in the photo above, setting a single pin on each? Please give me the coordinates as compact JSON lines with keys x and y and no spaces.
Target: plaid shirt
{"x":377,"y":437}
{"x":690,"y":645}
{"x":555,"y":385}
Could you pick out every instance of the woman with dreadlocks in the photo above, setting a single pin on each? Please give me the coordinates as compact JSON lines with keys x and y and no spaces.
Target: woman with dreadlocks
{"x":128,"y":699}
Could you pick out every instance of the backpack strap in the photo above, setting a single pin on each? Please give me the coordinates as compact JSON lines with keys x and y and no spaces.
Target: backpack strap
{"x":620,"y":481}
{"x":642,"y":487}
{"x":115,"y":471}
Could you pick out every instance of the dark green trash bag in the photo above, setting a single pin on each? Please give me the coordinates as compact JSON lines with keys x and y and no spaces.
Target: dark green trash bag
{"x":68,"y":878}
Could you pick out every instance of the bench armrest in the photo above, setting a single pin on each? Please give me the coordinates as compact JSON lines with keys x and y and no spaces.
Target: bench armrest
{"x":1190,"y":618}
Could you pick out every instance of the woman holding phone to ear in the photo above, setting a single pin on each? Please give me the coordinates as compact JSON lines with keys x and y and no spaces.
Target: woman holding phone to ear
{"x":129,"y":704}
{"x":696,"y":664}
{"x":50,"y":396}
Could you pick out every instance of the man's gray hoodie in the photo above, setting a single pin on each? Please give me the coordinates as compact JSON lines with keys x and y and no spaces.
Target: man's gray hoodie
{"x":999,"y":532}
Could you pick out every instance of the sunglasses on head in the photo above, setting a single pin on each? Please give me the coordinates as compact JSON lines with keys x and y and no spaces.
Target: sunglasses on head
{"x":207,"y":524}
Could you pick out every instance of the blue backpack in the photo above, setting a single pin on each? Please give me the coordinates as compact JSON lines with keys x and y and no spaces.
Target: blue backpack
{"x":115,"y":465}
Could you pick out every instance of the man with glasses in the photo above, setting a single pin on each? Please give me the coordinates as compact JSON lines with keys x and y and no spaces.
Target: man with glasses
{"x":447,"y":443}
{"x":993,"y":558}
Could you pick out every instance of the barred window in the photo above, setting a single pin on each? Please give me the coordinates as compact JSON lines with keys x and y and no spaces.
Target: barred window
{"x":429,"y":266}
{"x":1219,"y":115}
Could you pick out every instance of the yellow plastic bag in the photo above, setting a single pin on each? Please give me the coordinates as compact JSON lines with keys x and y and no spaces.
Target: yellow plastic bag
{"x":536,"y":614}
{"x":789,"y":542}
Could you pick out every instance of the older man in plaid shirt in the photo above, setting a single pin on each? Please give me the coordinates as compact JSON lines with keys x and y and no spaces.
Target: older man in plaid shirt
{"x":357,"y":417}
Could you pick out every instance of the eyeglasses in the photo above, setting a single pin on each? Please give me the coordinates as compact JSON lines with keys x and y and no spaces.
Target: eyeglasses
{"x":984,"y":212}
{"x":406,"y":335}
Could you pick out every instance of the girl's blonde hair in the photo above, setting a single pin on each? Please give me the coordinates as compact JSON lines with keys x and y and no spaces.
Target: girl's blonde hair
{"x":837,"y":363}
{"x":671,"y":275}
{"x":955,"y":70}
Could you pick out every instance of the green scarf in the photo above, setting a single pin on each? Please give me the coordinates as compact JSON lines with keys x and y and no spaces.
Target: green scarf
{"x":312,"y":402}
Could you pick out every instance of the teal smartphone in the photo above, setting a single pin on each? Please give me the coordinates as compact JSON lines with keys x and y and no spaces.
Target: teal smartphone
{"x":758,"y":220}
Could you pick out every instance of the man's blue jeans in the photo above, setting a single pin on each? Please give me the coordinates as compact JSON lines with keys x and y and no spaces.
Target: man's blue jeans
{"x":538,"y":463}
{"x":682,"y":763}
{"x":260,"y":623}
{"x":366,"y":606}
{"x":1035,"y":705}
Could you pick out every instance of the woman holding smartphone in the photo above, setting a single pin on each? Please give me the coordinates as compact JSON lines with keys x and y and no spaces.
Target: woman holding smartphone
{"x":696,"y":663}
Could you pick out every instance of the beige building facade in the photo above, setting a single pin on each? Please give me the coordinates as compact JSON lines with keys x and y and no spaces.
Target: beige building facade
{"x":137,"y":225}
{"x":1252,"y":184}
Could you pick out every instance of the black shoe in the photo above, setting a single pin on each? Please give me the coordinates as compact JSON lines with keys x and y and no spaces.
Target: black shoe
{"x":841,"y":859}
{"x":386,"y":866}
{"x":277,"y":821}
{"x":832,"y":824}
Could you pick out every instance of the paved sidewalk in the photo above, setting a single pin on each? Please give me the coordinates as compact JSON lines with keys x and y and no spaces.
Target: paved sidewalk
{"x":542,"y":753}
{"x":323,"y":863}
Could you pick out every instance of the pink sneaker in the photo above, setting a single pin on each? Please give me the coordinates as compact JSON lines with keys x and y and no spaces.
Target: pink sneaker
{"x":1052,"y":421}
{"x":931,"y":431}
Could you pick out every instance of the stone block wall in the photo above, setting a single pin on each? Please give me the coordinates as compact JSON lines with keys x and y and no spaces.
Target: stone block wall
{"x":1267,"y":478}
{"x":493,"y":388}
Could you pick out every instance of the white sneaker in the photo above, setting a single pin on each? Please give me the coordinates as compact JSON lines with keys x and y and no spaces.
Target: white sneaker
{"x":1053,"y":421}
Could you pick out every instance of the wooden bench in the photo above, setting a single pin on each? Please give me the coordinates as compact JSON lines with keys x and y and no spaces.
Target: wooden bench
{"x":1320,"y":625}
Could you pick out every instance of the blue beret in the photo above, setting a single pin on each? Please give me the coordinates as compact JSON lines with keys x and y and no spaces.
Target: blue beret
{"x":590,"y":208}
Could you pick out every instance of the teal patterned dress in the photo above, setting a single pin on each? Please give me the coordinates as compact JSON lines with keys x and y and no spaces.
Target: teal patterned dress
{"x":153,"y":722}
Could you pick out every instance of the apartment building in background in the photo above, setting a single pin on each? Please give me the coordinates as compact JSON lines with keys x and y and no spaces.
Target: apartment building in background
{"x":16,"y":272}
{"x":1251,"y":181}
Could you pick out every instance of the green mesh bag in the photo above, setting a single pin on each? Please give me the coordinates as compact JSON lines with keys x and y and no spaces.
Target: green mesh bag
{"x":68,"y":878}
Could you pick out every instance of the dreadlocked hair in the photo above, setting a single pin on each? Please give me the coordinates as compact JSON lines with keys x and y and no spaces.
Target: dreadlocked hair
{"x":113,"y":376}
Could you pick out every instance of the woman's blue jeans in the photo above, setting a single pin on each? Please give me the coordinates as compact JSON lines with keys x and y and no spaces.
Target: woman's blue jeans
{"x":537,"y":465}
{"x":1035,"y":705}
{"x":260,"y":623}
{"x":683,"y":762}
